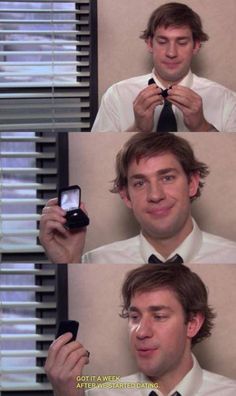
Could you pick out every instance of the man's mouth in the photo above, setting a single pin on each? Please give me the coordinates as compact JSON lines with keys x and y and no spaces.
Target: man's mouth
{"x":159,"y":211}
{"x":145,"y":352}
{"x":171,"y":65}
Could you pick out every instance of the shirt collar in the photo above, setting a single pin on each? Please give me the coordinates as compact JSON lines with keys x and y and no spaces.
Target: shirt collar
{"x":191,"y":382}
{"x":188,"y":386}
{"x":187,"y":249}
{"x":186,"y":82}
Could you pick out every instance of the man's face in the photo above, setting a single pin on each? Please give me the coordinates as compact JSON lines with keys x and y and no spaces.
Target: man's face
{"x":160,"y":338}
{"x":172,"y":49}
{"x":159,"y":194}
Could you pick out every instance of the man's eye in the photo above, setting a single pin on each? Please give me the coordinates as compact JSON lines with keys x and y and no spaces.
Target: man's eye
{"x":133,"y":318}
{"x":161,"y":42}
{"x":138,"y":183}
{"x":168,"y":178}
{"x":183,"y":42}
{"x":160,"y":317}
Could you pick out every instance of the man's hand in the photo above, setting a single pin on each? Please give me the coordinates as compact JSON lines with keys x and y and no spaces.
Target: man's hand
{"x":144,"y":107}
{"x":190,"y":103}
{"x":61,"y":245}
{"x":64,"y":363}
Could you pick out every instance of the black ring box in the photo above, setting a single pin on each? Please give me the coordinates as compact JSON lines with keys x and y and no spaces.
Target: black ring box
{"x":69,"y":200}
{"x":76,"y":219}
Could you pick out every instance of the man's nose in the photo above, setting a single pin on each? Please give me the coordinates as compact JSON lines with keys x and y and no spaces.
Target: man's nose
{"x":171,"y":50}
{"x":155,"y":192}
{"x":144,"y":329}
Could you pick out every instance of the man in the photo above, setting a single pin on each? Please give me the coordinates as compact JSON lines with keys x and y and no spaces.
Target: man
{"x":157,"y":177}
{"x":168,"y":312}
{"x":174,"y":35}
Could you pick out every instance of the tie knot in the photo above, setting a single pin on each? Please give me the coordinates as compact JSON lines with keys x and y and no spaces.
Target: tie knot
{"x":176,"y":259}
{"x":152,"y":393}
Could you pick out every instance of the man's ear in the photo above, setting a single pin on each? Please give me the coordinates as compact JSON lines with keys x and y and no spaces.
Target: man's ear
{"x":197,"y":46}
{"x":149,"y":42}
{"x":194,"y":180}
{"x":194,"y":324}
{"x":124,"y":194}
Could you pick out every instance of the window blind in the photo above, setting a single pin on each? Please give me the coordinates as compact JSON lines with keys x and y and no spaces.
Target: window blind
{"x":47,"y":65}
{"x":32,"y":167}
{"x":31,"y":170}
{"x":30,"y":311}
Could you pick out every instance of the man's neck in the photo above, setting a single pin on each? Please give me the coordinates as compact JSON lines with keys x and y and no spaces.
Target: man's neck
{"x":168,"y":381}
{"x":168,"y":83}
{"x":165,"y":246}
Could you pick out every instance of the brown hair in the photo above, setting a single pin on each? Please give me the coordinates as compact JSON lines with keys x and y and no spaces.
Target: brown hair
{"x":152,"y":144}
{"x":187,"y":286}
{"x":175,"y":14}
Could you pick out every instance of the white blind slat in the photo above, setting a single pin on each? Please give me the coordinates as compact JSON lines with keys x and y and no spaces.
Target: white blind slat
{"x":55,"y":1}
{"x":17,"y":370}
{"x":23,"y":154}
{"x":37,"y":42}
{"x":23,"y":353}
{"x":35,"y":139}
{"x":45,"y":95}
{"x":37,"y":171}
{"x":22,"y":304}
{"x":39,"y":289}
{"x":13,"y":201}
{"x":22,"y":233}
{"x":47,"y":32}
{"x":37,"y":321}
{"x":59,"y":126}
{"x":69,"y":114}
{"x":55,"y":52}
{"x":26,"y":271}
{"x":17,"y":217}
{"x":40,"y":11}
{"x":27,"y":386}
{"x":44,"y":63}
{"x":24,"y":248}
{"x":46,"y":74}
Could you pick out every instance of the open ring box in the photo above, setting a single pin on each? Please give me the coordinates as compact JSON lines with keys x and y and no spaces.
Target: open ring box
{"x":69,"y":200}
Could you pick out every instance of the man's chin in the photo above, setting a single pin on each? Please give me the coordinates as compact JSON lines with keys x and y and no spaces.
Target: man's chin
{"x":173,"y":76}
{"x":160,"y":233}
{"x":148,"y":370}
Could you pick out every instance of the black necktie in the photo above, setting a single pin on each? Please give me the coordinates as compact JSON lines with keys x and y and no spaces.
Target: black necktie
{"x":176,"y":259}
{"x":167,"y":121}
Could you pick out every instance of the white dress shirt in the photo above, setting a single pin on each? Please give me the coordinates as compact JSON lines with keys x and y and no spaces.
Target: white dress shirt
{"x":116,"y":110}
{"x":197,"y":382}
{"x":198,"y":248}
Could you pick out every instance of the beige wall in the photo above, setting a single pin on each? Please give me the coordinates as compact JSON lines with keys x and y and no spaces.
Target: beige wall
{"x":122,"y":54}
{"x":92,"y":167}
{"x":94,"y":300}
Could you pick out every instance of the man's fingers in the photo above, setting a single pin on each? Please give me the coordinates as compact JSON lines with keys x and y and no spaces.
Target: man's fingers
{"x":65,"y":360}
{"x":52,"y":202}
{"x":55,"y":347}
{"x":61,"y":348}
{"x":148,"y":97}
{"x":70,"y":354}
{"x":53,"y":209}
{"x":49,"y":231}
{"x":82,"y":206}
